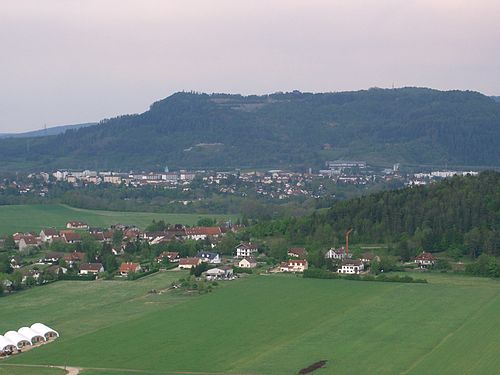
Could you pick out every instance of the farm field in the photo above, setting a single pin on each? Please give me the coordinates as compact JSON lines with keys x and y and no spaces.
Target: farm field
{"x":266,"y":325}
{"x":18,"y":218}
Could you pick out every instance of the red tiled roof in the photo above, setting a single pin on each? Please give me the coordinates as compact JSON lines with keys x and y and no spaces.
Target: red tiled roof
{"x":129,"y":267}
{"x":299,"y":251}
{"x":189,"y":261}
{"x":91,"y":267}
{"x":425,"y":256}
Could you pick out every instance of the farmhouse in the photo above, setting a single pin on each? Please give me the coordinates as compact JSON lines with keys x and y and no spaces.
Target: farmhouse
{"x":425,"y":259}
{"x":206,"y":256}
{"x":187,"y":263}
{"x":351,"y":266}
{"x":248,"y":262}
{"x":339,"y":253}
{"x":91,"y":268}
{"x":76,"y":225}
{"x":129,"y":267}
{"x":71,"y":237}
{"x":47,"y":234}
{"x":295,"y":265}
{"x":297,"y":252}
{"x":202,"y":233}
{"x":246,"y":249}
{"x":26,"y":243}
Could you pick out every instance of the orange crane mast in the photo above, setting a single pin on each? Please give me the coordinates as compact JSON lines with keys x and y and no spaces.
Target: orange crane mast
{"x":347,"y":241}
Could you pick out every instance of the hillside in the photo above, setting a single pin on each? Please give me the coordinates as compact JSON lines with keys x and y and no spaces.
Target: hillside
{"x":188,"y":130}
{"x":460,"y":214}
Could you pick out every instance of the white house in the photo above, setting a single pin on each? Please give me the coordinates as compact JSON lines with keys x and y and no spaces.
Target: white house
{"x":294,"y":265}
{"x":339,"y":253}
{"x":351,"y":266}
{"x":188,"y":263}
{"x":245,"y":249}
{"x":425,"y":259}
{"x":91,"y":268}
{"x":248,"y":262}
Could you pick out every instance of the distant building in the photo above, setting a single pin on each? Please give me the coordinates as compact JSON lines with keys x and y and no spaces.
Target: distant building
{"x":129,"y":267}
{"x":188,"y":263}
{"x":209,"y":257}
{"x":297,"y":252}
{"x":425,"y":259}
{"x":91,"y":268}
{"x":246,"y":249}
{"x":76,"y":225}
{"x":339,"y":253}
{"x":351,"y":266}
{"x":294,"y":265}
{"x":247,"y":262}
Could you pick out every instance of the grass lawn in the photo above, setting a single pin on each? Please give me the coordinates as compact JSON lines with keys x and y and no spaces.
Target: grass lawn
{"x":267,"y":325}
{"x":24,"y":370}
{"x":18,"y":218}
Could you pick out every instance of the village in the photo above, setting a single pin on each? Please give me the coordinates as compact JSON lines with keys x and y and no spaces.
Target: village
{"x":80,"y":252}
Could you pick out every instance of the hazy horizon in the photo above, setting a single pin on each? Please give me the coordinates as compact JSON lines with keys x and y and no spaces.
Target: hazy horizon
{"x":76,"y":62}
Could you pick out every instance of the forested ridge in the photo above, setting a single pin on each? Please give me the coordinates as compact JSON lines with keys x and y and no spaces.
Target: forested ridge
{"x":190,"y":130}
{"x":460,"y":215}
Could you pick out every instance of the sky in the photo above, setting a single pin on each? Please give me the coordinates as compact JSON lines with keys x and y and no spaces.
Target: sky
{"x":68,"y":61}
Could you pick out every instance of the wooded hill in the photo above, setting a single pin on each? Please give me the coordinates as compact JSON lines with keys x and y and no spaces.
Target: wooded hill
{"x":460,"y":214}
{"x":188,"y":130}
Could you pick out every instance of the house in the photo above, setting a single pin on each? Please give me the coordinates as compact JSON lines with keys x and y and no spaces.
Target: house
{"x":246,"y":249}
{"x":425,"y":259}
{"x":297,"y":252}
{"x":71,"y":237}
{"x":294,"y":265}
{"x":188,"y":263}
{"x":26,"y":243}
{"x":52,"y":257}
{"x":339,"y":253}
{"x":75,"y":256}
{"x":247,"y":262}
{"x":129,"y":267}
{"x":172,"y":256}
{"x":207,"y":256}
{"x":351,"y":266}
{"x":202,"y":233}
{"x":219,"y":273}
{"x":47,"y":234}
{"x":75,"y":224}
{"x":91,"y":268}
{"x":369,"y":257}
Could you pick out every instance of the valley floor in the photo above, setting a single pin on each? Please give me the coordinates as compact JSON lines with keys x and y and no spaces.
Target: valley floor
{"x":264,"y":325}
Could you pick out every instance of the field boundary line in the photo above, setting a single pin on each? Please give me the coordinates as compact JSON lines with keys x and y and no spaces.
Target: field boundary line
{"x":445,"y":338}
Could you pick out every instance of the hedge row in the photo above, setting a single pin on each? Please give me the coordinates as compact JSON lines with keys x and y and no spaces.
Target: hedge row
{"x":78,"y":277}
{"x":316,"y":273}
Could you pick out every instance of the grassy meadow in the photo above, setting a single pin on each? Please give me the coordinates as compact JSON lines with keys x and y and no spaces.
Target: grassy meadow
{"x":20,"y":218}
{"x":266,"y":325}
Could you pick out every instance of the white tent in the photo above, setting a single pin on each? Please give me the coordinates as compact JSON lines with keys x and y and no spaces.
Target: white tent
{"x":6,"y":345}
{"x":18,"y":339}
{"x":33,"y":336}
{"x":45,"y":331}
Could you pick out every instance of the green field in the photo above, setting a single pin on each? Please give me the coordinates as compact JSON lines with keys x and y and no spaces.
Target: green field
{"x":21,"y":218}
{"x":266,"y":325}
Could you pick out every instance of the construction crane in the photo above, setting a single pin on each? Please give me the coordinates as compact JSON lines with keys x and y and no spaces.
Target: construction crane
{"x":347,"y":241}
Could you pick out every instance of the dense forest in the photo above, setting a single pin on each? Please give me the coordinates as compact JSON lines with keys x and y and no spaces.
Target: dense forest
{"x":460,"y":215}
{"x":189,"y":130}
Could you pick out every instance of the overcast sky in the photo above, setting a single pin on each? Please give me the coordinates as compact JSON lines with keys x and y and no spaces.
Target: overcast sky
{"x":65,"y":62}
